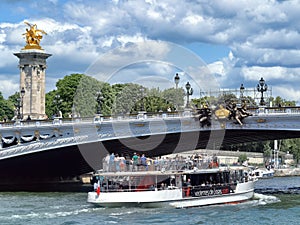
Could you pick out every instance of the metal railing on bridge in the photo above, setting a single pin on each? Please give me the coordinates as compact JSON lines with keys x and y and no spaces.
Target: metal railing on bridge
{"x":132,"y":117}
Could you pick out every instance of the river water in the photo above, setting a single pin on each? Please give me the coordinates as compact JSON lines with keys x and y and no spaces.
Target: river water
{"x":276,"y":201}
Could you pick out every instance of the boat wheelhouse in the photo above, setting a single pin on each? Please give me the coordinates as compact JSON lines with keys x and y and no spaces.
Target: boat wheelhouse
{"x":179,"y":189}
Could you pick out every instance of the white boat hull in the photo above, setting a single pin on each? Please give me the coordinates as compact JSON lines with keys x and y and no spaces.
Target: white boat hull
{"x":245,"y":192}
{"x":170,"y":197}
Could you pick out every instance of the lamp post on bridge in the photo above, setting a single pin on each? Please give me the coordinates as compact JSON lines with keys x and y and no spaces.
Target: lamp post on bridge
{"x":22,"y":102}
{"x":262,"y":87}
{"x":142,"y":114}
{"x":176,"y":80}
{"x":242,"y":89}
{"x":19,"y":104}
{"x":189,"y":91}
{"x":18,"y":107}
{"x":57,"y":101}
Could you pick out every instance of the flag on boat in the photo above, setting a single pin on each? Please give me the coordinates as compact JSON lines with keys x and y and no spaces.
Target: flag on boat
{"x":98,"y":188}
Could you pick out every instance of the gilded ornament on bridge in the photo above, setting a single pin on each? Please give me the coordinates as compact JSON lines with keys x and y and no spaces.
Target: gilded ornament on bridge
{"x":222,"y":113}
{"x":33,"y":36}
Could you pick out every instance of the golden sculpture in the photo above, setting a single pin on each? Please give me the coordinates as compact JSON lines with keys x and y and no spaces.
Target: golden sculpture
{"x":222,"y":113}
{"x":33,"y":36}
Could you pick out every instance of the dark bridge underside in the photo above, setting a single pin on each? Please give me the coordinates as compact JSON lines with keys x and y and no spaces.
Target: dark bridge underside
{"x":52,"y":169}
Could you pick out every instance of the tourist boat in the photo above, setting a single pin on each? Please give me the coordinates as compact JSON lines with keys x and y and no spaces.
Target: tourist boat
{"x":179,"y":189}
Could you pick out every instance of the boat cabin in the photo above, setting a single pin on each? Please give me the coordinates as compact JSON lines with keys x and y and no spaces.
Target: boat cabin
{"x":194,"y":183}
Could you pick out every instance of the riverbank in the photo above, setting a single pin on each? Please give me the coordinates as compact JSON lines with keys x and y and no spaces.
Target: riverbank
{"x":287,"y":172}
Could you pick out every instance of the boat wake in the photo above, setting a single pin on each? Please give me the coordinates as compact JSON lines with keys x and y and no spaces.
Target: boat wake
{"x":261,"y":199}
{"x":47,"y":215}
{"x":290,"y":190}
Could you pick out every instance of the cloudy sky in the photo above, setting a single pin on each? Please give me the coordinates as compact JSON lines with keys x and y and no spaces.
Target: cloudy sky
{"x":240,"y":41}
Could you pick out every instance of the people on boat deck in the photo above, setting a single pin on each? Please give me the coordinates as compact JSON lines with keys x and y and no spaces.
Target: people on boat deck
{"x":163,"y":186}
{"x":135,"y":161}
{"x":105,"y":161}
{"x":116,"y":163}
{"x":144,"y":161}
{"x":188,"y":182}
{"x":96,"y":186}
{"x":112,"y":162}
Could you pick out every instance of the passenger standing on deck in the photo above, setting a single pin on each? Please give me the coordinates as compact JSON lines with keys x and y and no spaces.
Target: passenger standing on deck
{"x":112,"y":162}
{"x":117,"y":163}
{"x":135,"y":160}
{"x":144,"y":161}
{"x":106,"y":163}
{"x":122,"y":163}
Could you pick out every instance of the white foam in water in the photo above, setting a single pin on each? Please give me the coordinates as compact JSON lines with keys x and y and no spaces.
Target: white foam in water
{"x":265,"y":199}
{"x":51,"y":215}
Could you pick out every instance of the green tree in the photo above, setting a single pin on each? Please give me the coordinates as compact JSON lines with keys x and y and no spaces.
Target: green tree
{"x":6,"y":108}
{"x":85,"y":100}
{"x":78,"y":93}
{"x":51,"y":108}
{"x":267,"y":150}
{"x":242,"y":158}
{"x":128,"y":98}
{"x":174,"y":97}
{"x":292,"y":146}
{"x":66,"y":90}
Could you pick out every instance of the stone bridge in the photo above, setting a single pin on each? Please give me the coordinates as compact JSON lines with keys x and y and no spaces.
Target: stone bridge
{"x":43,"y":155}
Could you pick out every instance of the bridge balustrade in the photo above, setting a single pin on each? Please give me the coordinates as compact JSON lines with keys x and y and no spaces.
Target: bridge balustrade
{"x":276,"y":118}
{"x":164,"y":115}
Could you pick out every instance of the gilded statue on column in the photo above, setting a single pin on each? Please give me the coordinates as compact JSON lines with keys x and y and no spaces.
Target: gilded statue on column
{"x":33,"y":36}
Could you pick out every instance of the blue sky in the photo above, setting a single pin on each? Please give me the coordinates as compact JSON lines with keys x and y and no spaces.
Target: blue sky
{"x":240,"y":41}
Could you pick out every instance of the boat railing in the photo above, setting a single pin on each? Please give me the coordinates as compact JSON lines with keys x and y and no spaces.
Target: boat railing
{"x":152,"y":188}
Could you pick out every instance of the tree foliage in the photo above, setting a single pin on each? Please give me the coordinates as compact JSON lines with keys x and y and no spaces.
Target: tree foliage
{"x":292,"y":146}
{"x":6,"y":109}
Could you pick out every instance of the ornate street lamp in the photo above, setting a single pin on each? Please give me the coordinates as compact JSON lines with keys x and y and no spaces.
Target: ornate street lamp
{"x":262,"y":87}
{"x":176,"y":79}
{"x":22,"y":102}
{"x":189,"y":91}
{"x":99,"y":99}
{"x":18,"y":106}
{"x":242,"y":89}
{"x":57,"y":102}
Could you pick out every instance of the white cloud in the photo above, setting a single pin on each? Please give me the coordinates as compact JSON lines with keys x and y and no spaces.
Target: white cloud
{"x":217,"y":68}
{"x":8,"y":86}
{"x":269,"y":73}
{"x":288,"y":92}
{"x":262,"y":35}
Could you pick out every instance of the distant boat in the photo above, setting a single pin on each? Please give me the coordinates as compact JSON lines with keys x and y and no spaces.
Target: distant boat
{"x":263,"y":173}
{"x":179,"y":189}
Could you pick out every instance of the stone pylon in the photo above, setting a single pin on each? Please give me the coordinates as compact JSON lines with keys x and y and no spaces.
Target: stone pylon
{"x":32,"y":64}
